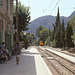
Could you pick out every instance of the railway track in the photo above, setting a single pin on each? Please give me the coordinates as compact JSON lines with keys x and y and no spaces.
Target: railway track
{"x":59,"y":64}
{"x":62,"y":52}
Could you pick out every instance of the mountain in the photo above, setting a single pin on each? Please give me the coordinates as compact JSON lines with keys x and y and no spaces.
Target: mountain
{"x":46,"y":21}
{"x":72,"y":15}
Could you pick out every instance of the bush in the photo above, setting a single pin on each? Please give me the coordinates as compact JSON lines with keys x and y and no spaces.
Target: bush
{"x":46,"y":43}
{"x":52,"y":43}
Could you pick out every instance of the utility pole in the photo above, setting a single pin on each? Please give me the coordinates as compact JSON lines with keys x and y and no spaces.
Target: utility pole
{"x":17,"y":36}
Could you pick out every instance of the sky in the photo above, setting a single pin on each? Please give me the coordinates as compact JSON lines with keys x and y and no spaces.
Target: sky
{"x":40,"y":8}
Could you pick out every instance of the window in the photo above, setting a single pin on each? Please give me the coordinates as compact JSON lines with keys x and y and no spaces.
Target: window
{"x":1,"y":2}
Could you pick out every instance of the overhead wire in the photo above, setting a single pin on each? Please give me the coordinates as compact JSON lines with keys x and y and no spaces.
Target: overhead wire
{"x":48,"y":6}
{"x":54,"y":6}
{"x":28,"y":2}
{"x":50,"y":13}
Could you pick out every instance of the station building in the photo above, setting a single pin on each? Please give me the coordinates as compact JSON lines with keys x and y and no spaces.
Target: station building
{"x":6,"y":22}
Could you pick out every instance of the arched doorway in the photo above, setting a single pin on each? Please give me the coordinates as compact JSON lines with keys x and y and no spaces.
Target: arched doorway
{"x":1,"y":32}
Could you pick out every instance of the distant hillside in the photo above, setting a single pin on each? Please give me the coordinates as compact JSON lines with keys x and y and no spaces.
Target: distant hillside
{"x":46,"y":21}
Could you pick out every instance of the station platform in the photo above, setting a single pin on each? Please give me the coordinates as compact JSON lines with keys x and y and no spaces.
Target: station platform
{"x":31,"y":63}
{"x":68,"y":57}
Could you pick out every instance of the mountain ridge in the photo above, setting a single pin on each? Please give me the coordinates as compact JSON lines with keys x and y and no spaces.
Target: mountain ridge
{"x":46,"y":21}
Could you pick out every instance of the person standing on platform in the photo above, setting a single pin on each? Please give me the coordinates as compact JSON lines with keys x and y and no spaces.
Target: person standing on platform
{"x":17,"y":53}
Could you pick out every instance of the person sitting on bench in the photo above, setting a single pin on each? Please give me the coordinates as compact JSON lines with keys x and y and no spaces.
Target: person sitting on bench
{"x":3,"y":56}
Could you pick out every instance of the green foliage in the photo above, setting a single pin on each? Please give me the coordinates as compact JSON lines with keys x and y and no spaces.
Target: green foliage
{"x":73,"y":37}
{"x":28,"y":37}
{"x":52,"y":43}
{"x":38,"y":30}
{"x":57,"y":31}
{"x":31,"y":38}
{"x":47,"y":42}
{"x":44,"y":34}
{"x":61,"y":38}
{"x":38,"y":41}
{"x":54,"y":26}
{"x":72,"y":24}
{"x":57,"y":19}
{"x":69,"y":33}
{"x":49,"y":32}
{"x":23,"y":17}
{"x":62,"y":34}
{"x":25,"y":42}
{"x":58,"y":37}
{"x":52,"y":36}
{"x":24,"y":39}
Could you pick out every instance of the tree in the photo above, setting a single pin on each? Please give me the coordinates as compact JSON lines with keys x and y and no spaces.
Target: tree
{"x":47,"y":42}
{"x":57,"y":19}
{"x":52,"y":36}
{"x":72,"y":23}
{"x":57,"y":36}
{"x":69,"y":33}
{"x":38,"y":30}
{"x":23,"y":18}
{"x":25,"y":42}
{"x":62,"y":34}
{"x":44,"y":34}
{"x":49,"y":32}
{"x":31,"y":38}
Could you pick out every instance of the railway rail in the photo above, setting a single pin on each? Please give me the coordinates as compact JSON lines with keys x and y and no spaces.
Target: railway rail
{"x":59,"y":64}
{"x":71,"y":54}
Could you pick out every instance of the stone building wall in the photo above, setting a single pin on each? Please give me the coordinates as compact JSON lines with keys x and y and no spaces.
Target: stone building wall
{"x":6,"y":18}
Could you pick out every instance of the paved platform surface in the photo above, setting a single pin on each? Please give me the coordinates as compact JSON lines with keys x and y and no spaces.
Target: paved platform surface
{"x":31,"y":63}
{"x":68,"y":57}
